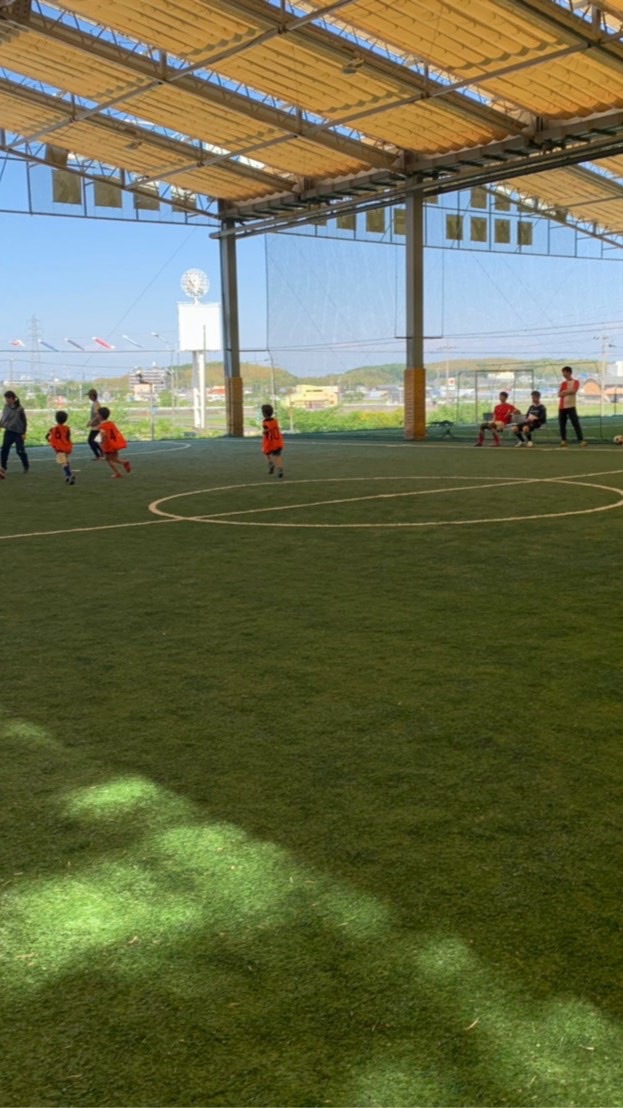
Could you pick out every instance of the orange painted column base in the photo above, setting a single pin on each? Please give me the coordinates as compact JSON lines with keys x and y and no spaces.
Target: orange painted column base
{"x":415,"y":404}
{"x":233,"y":404}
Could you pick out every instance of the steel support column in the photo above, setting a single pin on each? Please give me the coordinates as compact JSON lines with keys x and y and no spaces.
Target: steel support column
{"x":231,"y":331}
{"x":415,"y":374}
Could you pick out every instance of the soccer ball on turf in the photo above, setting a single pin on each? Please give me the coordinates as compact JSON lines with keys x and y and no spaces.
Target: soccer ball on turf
{"x":618,"y":440}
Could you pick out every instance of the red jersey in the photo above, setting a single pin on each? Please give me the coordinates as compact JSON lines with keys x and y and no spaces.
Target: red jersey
{"x":272,"y":439}
{"x":112,"y":439}
{"x":59,"y":438}
{"x":566,"y":393}
{"x":502,"y":413}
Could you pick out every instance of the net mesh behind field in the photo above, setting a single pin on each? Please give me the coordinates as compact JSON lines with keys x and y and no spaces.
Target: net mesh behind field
{"x":333,"y":305}
{"x":492,"y":322}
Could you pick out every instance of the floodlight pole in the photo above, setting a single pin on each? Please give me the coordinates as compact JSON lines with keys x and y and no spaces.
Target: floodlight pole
{"x":172,"y":379}
{"x":415,"y":374}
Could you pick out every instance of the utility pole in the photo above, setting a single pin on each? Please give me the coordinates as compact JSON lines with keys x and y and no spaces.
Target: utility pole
{"x":35,"y":349}
{"x":605,"y":345}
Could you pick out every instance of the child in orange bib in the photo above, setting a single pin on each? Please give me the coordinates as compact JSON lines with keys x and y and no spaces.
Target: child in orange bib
{"x":272,"y":440}
{"x":59,"y":438}
{"x":112,"y":442}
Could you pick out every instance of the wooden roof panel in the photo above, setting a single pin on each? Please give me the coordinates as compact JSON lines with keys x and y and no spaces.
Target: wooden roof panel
{"x":24,"y":117}
{"x":271,"y":81}
{"x":186,"y":28}
{"x":63,"y":67}
{"x":116,"y":149}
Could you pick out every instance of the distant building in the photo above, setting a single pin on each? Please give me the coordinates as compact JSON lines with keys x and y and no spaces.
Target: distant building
{"x":314,"y":396}
{"x":145,"y":382}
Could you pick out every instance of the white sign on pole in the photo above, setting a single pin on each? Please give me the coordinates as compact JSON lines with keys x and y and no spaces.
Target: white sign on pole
{"x":199,"y":326}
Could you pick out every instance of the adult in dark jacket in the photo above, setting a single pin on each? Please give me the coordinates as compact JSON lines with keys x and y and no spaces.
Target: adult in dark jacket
{"x":535,"y":417}
{"x":14,"y":424}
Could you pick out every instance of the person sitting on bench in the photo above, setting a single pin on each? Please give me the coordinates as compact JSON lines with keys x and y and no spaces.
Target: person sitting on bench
{"x":502,"y":416}
{"x":534,"y":418}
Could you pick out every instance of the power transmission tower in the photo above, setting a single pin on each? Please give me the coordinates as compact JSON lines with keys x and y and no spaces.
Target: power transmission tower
{"x":35,"y":349}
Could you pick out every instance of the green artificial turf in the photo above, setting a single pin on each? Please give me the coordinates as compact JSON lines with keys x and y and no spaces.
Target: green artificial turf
{"x":312,"y":815}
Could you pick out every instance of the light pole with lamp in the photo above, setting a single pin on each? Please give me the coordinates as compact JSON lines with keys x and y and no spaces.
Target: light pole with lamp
{"x":273,"y":391}
{"x":150,"y":384}
{"x":172,"y":373}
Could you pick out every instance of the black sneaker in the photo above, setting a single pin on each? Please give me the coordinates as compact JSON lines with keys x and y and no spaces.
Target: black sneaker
{"x":271,"y":470}
{"x":280,"y":474}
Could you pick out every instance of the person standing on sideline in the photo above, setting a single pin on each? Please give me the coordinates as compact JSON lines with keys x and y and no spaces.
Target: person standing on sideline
{"x":502,"y":416}
{"x":272,"y":440}
{"x":566,"y":406}
{"x":59,"y":438}
{"x":94,"y":425}
{"x":14,"y":423}
{"x":112,"y":442}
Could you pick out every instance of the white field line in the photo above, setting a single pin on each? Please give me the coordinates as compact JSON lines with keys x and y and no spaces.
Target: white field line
{"x":225,"y":518}
{"x":359,"y":499}
{"x":500,"y":482}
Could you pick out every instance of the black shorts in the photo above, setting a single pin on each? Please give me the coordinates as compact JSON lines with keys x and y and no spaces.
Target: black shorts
{"x":274,"y":453}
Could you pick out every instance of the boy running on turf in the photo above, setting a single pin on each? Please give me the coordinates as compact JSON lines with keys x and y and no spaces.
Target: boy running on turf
{"x":502,"y":415}
{"x":59,"y":438}
{"x":112,"y":442}
{"x":272,"y":440}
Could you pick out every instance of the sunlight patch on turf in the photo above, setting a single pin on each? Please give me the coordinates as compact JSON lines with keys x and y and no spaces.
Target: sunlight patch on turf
{"x":245,"y":879}
{"x":211,"y":879}
{"x":528,"y":1043}
{"x":29,"y":734}
{"x":385,"y":1079}
{"x":120,"y":797}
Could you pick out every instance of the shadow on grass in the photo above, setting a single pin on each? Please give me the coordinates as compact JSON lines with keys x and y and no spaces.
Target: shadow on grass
{"x":178,"y":958}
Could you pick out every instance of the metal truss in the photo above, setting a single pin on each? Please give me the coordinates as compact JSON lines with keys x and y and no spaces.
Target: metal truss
{"x":391,"y":172}
{"x":552,"y":148}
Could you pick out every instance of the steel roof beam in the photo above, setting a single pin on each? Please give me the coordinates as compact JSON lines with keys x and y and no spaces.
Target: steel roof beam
{"x":192,"y":156}
{"x":156,"y":75}
{"x":450,"y":172}
{"x":606,"y":48}
{"x":339,"y":49}
{"x":92,"y":171}
{"x":319,"y":40}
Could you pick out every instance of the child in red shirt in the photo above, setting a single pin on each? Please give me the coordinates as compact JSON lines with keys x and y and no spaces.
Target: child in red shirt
{"x":502,"y":415}
{"x":59,"y":438}
{"x":112,"y":442}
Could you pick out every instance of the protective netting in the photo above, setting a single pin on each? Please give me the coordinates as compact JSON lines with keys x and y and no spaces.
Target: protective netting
{"x":493,"y":320}
{"x":333,"y":305}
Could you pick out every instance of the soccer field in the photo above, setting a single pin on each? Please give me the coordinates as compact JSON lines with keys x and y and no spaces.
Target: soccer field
{"x":311,"y":788}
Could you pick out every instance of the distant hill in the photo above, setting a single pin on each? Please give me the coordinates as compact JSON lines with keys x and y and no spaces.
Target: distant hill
{"x":259,"y":377}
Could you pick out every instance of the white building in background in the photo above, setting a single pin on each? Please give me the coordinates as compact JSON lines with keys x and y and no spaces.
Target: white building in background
{"x":618,"y":370}
{"x":314,"y":396}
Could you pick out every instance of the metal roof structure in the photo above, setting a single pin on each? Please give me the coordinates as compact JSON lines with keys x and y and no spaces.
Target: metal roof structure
{"x":264,"y":112}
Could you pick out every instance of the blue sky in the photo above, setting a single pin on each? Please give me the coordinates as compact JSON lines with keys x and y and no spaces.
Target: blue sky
{"x":82,"y":278}
{"x":332,"y":305}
